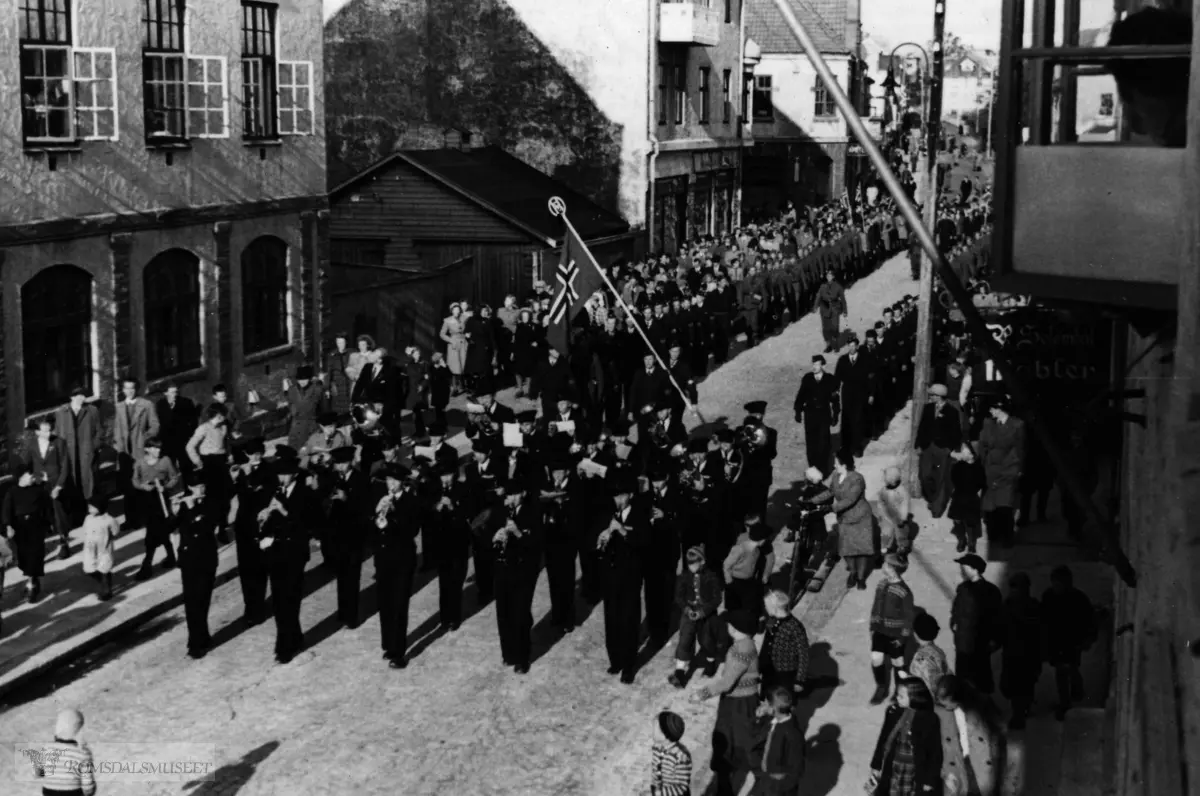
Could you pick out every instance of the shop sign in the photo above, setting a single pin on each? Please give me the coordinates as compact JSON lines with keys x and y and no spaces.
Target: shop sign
{"x":1056,"y":350}
{"x":713,"y":160}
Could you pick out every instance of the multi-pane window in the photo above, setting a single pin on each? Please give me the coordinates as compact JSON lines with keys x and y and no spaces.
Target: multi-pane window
{"x":95,"y":94}
{"x":264,"y":294}
{"x":163,"y":65}
{"x":171,"y":298}
{"x":823,"y":104}
{"x":1106,"y":104}
{"x":727,"y":96}
{"x":259,"y":106}
{"x":295,"y":98}
{"x":662,"y":94}
{"x":764,"y":107}
{"x":56,"y":335}
{"x":46,"y":108}
{"x":705,"y":95}
{"x":207,"y":90}
{"x":680,"y":93}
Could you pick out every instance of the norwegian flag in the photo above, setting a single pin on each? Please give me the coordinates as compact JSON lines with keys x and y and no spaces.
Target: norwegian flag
{"x":567,"y":295}
{"x":578,"y":278}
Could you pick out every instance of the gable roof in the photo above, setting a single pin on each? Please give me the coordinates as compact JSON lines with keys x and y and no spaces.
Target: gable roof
{"x":825,"y":21}
{"x":503,"y":185}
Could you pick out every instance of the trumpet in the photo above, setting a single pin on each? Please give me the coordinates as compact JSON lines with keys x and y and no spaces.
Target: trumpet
{"x":752,"y":438}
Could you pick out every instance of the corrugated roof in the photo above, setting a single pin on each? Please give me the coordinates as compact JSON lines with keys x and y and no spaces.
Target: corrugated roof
{"x":825,"y":21}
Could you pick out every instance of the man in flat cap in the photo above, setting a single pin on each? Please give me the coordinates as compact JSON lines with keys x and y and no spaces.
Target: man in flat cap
{"x":975,"y":621}
{"x":938,"y":435}
{"x":817,"y":406}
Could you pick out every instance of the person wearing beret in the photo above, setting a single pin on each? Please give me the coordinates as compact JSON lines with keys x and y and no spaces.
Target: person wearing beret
{"x":622,"y":546}
{"x":397,"y":520}
{"x":938,"y":434}
{"x":818,"y":406}
{"x":304,"y":397}
{"x":346,"y":500}
{"x":253,"y":484}
{"x":734,"y":736}
{"x":284,"y":538}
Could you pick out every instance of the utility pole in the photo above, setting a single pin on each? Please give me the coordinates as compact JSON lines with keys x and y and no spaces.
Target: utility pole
{"x":924,"y":352}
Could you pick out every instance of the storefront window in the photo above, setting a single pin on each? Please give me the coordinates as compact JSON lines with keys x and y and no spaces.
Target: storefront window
{"x":701,"y":219}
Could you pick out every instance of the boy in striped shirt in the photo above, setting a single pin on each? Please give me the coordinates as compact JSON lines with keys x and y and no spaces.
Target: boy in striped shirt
{"x":671,"y":762}
{"x":65,"y":766}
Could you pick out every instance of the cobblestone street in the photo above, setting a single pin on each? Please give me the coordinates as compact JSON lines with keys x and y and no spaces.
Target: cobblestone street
{"x":338,"y":720}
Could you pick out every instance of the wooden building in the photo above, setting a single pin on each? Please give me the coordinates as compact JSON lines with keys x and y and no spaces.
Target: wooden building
{"x":162,"y":199}
{"x":423,"y":228}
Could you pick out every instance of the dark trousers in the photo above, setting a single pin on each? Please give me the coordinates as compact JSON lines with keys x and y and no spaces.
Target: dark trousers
{"x":658,"y":582}
{"x":855,"y":426}
{"x":158,"y":528}
{"x":999,"y":523}
{"x":252,"y":570}
{"x":485,"y":568}
{"x":831,"y":329}
{"x":697,"y":633}
{"x":131,"y":497}
{"x":721,"y":330}
{"x":287,"y":592}
{"x":394,"y":575}
{"x":452,"y":574}
{"x":934,"y":471}
{"x":818,"y":442}
{"x":514,"y":613}
{"x":560,"y":573}
{"x":976,"y":668}
{"x":198,"y":571}
{"x":968,"y":532}
{"x":418,"y":418}
{"x":589,"y":568}
{"x":217,"y":489}
{"x":744,"y":595}
{"x":1042,"y":493}
{"x":347,"y":564}
{"x":623,"y":624}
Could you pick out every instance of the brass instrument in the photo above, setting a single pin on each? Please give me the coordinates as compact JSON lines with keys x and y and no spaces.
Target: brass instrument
{"x":752,"y":438}
{"x":733,"y":466}
{"x":382,"y":509}
{"x":365,"y":417}
{"x":238,"y":470}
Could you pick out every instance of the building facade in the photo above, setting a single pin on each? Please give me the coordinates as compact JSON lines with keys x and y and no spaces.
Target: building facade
{"x":164,"y":198}
{"x":802,"y":145}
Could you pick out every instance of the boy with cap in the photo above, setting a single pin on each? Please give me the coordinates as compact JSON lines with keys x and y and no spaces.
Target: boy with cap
{"x":253,"y":484}
{"x":891,"y":624}
{"x":698,"y":594}
{"x":347,"y":498}
{"x":197,"y":566}
{"x":817,"y":407}
{"x":974,"y":619}
{"x":304,"y":398}
{"x":670,"y":761}
{"x":154,"y":479}
{"x":622,"y":545}
{"x":65,"y":767}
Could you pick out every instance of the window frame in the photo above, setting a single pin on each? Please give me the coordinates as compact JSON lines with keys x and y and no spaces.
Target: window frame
{"x":260,"y":111}
{"x":705,"y":94}
{"x":261,"y":289}
{"x":823,"y":105}
{"x":295,"y":109}
{"x":39,"y":328}
{"x":727,"y":95}
{"x":164,"y":51}
{"x":1111,"y":105}
{"x":171,"y":260}
{"x":205,"y":84}
{"x":54,"y":33}
{"x":96,"y":110}
{"x":662,"y":93}
{"x":764,"y":85}
{"x":679,"y":91}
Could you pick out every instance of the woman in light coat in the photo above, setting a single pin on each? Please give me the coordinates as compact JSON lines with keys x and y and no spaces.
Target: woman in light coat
{"x":973,"y":746}
{"x":855,"y":520}
{"x":1002,"y":454}
{"x":453,"y":334}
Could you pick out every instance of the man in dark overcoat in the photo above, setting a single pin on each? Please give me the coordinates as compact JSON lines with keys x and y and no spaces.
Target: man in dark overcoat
{"x":817,"y":407}
{"x":938,"y":435}
{"x":622,"y":545}
{"x":855,"y":375}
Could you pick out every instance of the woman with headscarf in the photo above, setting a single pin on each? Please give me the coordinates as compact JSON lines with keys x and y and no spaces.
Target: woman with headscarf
{"x":973,"y":740}
{"x":734,"y":735}
{"x":453,"y":334}
{"x":855,"y":520}
{"x":908,"y":754}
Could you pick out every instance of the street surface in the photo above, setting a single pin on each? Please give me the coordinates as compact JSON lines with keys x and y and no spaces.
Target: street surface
{"x":338,"y":720}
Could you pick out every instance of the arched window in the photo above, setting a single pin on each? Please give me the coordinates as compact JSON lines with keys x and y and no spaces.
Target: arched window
{"x":171,"y":297}
{"x":264,"y":294}
{"x":56,"y":333}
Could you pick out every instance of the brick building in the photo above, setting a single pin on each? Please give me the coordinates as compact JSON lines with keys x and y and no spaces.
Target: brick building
{"x":163,"y":198}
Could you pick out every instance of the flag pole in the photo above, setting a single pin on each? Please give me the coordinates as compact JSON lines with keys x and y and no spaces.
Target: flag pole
{"x":558,"y":208}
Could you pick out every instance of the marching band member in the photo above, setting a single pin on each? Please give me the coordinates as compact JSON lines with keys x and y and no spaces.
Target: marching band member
{"x":445,"y":455}
{"x":661,"y":555}
{"x":347,"y":495}
{"x":326,"y":439}
{"x":682,"y":372}
{"x":518,"y":559}
{"x":759,"y":471}
{"x":253,"y":484}
{"x":622,"y":545}
{"x":284,"y":539}
{"x":561,"y":521}
{"x":197,"y":565}
{"x":450,"y":540}
{"x":155,"y":479}
{"x":397,"y":521}
{"x":490,"y":422}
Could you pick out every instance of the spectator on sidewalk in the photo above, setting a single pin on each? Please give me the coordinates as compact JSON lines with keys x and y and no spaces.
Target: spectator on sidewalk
{"x":939,"y":433}
{"x":974,"y":617}
{"x":779,"y":758}
{"x":25,"y":518}
{"x":929,"y":662}
{"x":1021,"y":663}
{"x":967,"y":482}
{"x":65,"y":767}
{"x":908,"y":754}
{"x":155,"y":478}
{"x":78,"y":424}
{"x":748,"y":567}
{"x":670,"y":760}
{"x":891,"y":625}
{"x":783,"y":657}
{"x":895,"y":513}
{"x":135,"y":420}
{"x":698,"y":592}
{"x":855,"y":520}
{"x":100,"y":529}
{"x":1070,"y":629}
{"x":1002,"y":454}
{"x":47,"y":458}
{"x":973,"y":748}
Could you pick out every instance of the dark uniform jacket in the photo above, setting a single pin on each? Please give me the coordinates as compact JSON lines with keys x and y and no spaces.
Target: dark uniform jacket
{"x":818,"y":399}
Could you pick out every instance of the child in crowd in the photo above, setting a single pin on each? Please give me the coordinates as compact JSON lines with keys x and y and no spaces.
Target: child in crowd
{"x":698,"y":592}
{"x":671,"y":762}
{"x":100,"y":529}
{"x":65,"y":767}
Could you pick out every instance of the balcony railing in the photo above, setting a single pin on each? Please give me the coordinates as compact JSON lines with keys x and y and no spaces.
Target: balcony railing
{"x":689,"y":23}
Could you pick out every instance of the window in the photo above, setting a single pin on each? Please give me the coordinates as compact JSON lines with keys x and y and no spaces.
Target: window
{"x":1106,"y":105}
{"x":726,"y":97}
{"x":824,"y":104}
{"x":56,"y":333}
{"x":95,"y":94}
{"x":46,"y":71}
{"x":705,"y":98}
{"x":207,"y":90}
{"x":260,"y":118}
{"x":264,"y":294}
{"x":296,"y":98}
{"x":680,"y":94}
{"x":763,"y":102}
{"x":728,"y":12}
{"x":171,"y":297}
{"x":163,"y":84}
{"x":357,"y":251}
{"x":662,"y":94}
